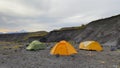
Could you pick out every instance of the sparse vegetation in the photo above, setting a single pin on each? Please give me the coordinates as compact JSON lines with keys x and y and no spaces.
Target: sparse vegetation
{"x":35,"y":34}
{"x":72,"y":42}
{"x":72,"y":28}
{"x":10,"y":45}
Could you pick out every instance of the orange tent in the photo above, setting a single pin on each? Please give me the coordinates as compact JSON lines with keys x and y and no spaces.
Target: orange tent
{"x":90,"y":45}
{"x":63,"y":48}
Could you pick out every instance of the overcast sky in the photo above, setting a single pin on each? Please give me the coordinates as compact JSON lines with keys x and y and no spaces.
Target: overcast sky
{"x":37,"y":15}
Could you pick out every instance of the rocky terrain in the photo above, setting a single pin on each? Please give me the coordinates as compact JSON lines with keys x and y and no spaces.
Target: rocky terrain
{"x":19,"y":57}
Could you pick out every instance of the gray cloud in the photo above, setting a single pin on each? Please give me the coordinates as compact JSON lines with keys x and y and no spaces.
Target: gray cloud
{"x":35,"y":15}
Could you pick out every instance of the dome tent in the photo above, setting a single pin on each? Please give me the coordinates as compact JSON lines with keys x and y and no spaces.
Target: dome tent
{"x":36,"y":45}
{"x":90,"y":45}
{"x":63,"y":48}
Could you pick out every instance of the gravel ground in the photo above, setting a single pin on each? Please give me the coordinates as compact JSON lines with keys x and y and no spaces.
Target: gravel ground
{"x":20,"y":58}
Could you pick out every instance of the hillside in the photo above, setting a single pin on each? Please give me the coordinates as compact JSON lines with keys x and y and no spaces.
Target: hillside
{"x":67,"y":33}
{"x":103,"y":30}
{"x":22,"y":37}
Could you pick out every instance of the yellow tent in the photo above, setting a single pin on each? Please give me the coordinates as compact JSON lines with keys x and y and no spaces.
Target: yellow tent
{"x":90,"y":45}
{"x":63,"y":48}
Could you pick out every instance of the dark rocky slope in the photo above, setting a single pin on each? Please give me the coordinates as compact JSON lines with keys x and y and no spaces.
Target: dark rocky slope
{"x":104,"y":30}
{"x":56,"y":35}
